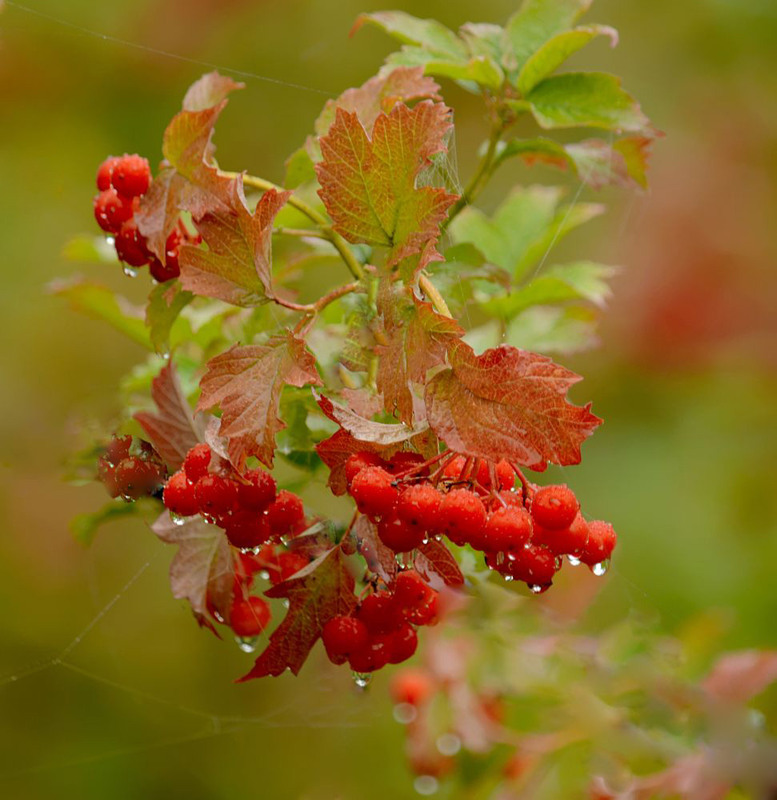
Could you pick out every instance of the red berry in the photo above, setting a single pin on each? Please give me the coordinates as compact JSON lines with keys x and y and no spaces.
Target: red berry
{"x":179,"y":496}
{"x":286,"y":513}
{"x":131,"y":246}
{"x":162,"y":273}
{"x":505,"y":475}
{"x":131,"y":175}
{"x":106,"y":472}
{"x":411,"y":686}
{"x":374,"y":492}
{"x":507,"y":498}
{"x":359,"y":461}
{"x":373,"y":656}
{"x":111,"y":210}
{"x":104,"y":173}
{"x":287,"y":565}
{"x":426,"y":614}
{"x":507,"y":530}
{"x":411,"y":590}
{"x":249,"y":617}
{"x":246,"y":529}
{"x":403,"y":643}
{"x":215,"y":494}
{"x":418,"y":505}
{"x":454,"y":467}
{"x":571,"y":540}
{"x":380,"y":613}
{"x":533,"y":564}
{"x":258,"y":491}
{"x":136,"y":477}
{"x":601,"y":542}
{"x":196,"y":463}
{"x":118,"y":448}
{"x":398,"y":535}
{"x":405,"y":461}
{"x":342,"y":636}
{"x":462,"y":516}
{"x":554,"y":506}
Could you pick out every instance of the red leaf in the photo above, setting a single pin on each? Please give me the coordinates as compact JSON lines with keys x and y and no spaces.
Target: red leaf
{"x":175,"y":429}
{"x":508,"y":403}
{"x":435,"y":559}
{"x":738,"y":677}
{"x":236,"y":267}
{"x":380,"y":559}
{"x":246,"y":382}
{"x":368,"y":184}
{"x":336,"y":450}
{"x":202,"y":568}
{"x":320,"y":591}
{"x":209,"y":91}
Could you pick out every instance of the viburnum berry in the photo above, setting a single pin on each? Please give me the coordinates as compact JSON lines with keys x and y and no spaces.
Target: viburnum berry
{"x":136,"y":477}
{"x":403,"y":642}
{"x":411,"y":590}
{"x":374,"y":492}
{"x":426,"y":614}
{"x":507,"y":497}
{"x":258,"y":491}
{"x":398,"y":535}
{"x":533,"y":564}
{"x":130,"y":175}
{"x":418,"y":505}
{"x":507,"y":530}
{"x":454,"y":467}
{"x":249,"y":617}
{"x":163,"y":272}
{"x":286,"y":513}
{"x":405,"y":461}
{"x":411,"y":686}
{"x":564,"y":541}
{"x":505,"y":475}
{"x":195,"y":465}
{"x":462,"y":515}
{"x":106,"y":472}
{"x":247,"y":529}
{"x":342,"y":636}
{"x":554,"y":506}
{"x":379,"y":612}
{"x":287,"y":565}
{"x":215,"y":495}
{"x":359,"y":461}
{"x":105,"y":171}
{"x":601,"y":542}
{"x":179,"y":498}
{"x":111,"y":210}
{"x":118,"y":448}
{"x":372,"y":657}
{"x":131,"y":246}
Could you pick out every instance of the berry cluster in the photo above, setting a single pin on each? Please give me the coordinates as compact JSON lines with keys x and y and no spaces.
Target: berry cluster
{"x":122,"y":181}
{"x":382,"y":629}
{"x":523,"y":531}
{"x":130,"y":468}
{"x":248,"y":507}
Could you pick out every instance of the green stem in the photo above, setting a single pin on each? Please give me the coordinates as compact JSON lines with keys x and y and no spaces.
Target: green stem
{"x":436,"y":299}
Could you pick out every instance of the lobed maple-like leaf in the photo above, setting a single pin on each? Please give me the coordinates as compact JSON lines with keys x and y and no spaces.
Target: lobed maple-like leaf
{"x":436,"y":563}
{"x":246,"y":382}
{"x":368,"y":184}
{"x":508,"y":403}
{"x":174,"y":429}
{"x":380,"y":559}
{"x":202,"y":571}
{"x":236,"y":267}
{"x":320,"y":591}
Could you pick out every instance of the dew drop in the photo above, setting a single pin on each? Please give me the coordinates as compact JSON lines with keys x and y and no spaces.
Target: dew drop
{"x":362,"y":679}
{"x":426,"y":785}
{"x":264,"y":575}
{"x":405,"y":713}
{"x":508,"y":578}
{"x":130,"y":272}
{"x":600,"y":568}
{"x":218,"y":617}
{"x":573,"y":560}
{"x":110,"y":241}
{"x":285,"y":602}
{"x":247,"y":643}
{"x":177,"y":519}
{"x":449,"y":744}
{"x":425,"y":540}
{"x":538,"y":588}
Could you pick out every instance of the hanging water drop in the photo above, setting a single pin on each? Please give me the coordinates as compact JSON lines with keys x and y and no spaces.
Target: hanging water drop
{"x":405,"y":713}
{"x":426,"y":785}
{"x":247,"y":643}
{"x":177,"y":519}
{"x":573,"y":561}
{"x":130,"y":272}
{"x":362,"y":679}
{"x":264,"y":574}
{"x":286,"y":602}
{"x":538,"y":588}
{"x":508,"y":578}
{"x":600,"y":568}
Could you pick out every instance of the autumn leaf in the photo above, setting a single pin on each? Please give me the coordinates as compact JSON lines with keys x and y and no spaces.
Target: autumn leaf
{"x":236,"y":267}
{"x":202,"y":569}
{"x":246,"y":382}
{"x":174,"y":429}
{"x":380,"y":559}
{"x":368,"y":185}
{"x":320,"y":591}
{"x":740,"y":676}
{"x":436,"y":563}
{"x":508,"y":403}
{"x":338,"y":448}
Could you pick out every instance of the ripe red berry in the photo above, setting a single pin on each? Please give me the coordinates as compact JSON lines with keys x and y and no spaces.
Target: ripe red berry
{"x":405,"y":461}
{"x":359,"y":461}
{"x":118,"y":448}
{"x":131,"y":246}
{"x":162,"y":273}
{"x":106,"y":472}
{"x":411,"y":686}
{"x":554,"y":506}
{"x":111,"y":210}
{"x":131,"y":175}
{"x":287,"y":565}
{"x":505,"y":475}
{"x":372,"y":657}
{"x":462,"y":516}
{"x":427,"y":614}
{"x":507,"y":530}
{"x":403,"y":643}
{"x":601,"y":542}
{"x":398,"y":535}
{"x":215,"y":495}
{"x":418,"y":505}
{"x":286,"y":513}
{"x":454,"y":467}
{"x":195,"y":465}
{"x":104,"y":173}
{"x":179,"y":496}
{"x":563,"y":541}
{"x":246,"y":529}
{"x":342,"y":636}
{"x":379,"y":612}
{"x":249,"y":617}
{"x":532,"y":564}
{"x":411,"y":590}
{"x":136,"y":478}
{"x":374,"y":492}
{"x":258,"y":491}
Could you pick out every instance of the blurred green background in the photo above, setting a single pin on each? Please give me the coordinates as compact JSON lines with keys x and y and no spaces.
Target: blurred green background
{"x":685,"y":380}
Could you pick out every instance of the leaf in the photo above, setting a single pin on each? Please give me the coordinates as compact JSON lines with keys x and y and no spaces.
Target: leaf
{"x":553,"y":330}
{"x":368,"y":184}
{"x":320,"y":591}
{"x":590,"y":99}
{"x":738,"y":677}
{"x":174,"y":429}
{"x":556,"y":51}
{"x":165,"y":303}
{"x":202,"y":569}
{"x":237,"y":266}
{"x":84,"y":527}
{"x":436,"y":563}
{"x":635,"y":151}
{"x":99,"y":302}
{"x":427,"y":33}
{"x":210,"y":90}
{"x":508,"y":403}
{"x":246,"y":382}
{"x":380,"y":559}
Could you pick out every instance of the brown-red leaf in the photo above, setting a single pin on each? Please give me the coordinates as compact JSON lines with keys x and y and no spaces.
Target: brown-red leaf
{"x":508,"y":403}
{"x":380,"y":559}
{"x":322,"y":590}
{"x":434,"y":560}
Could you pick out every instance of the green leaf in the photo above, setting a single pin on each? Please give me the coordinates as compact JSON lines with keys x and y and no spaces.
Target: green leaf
{"x":84,"y":527}
{"x":99,"y":302}
{"x":546,"y":329}
{"x":588,"y":99}
{"x":427,"y":33}
{"x":481,"y":70}
{"x":556,"y":51}
{"x":165,"y":303}
{"x":635,"y":151}
{"x":299,"y":169}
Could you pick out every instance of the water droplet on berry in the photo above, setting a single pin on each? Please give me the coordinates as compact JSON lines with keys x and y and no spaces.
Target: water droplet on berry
{"x":110,"y":241}
{"x":247,"y":643}
{"x":425,"y":540}
{"x":264,"y":575}
{"x":362,"y":679}
{"x":177,"y":519}
{"x":426,"y":785}
{"x":538,"y":588}
{"x":449,"y":744}
{"x":508,"y":578}
{"x":405,"y":713}
{"x":600,"y":568}
{"x":573,"y":560}
{"x":130,"y":272}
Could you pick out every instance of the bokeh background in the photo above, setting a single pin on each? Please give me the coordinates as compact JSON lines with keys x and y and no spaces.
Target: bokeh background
{"x":685,"y":380}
